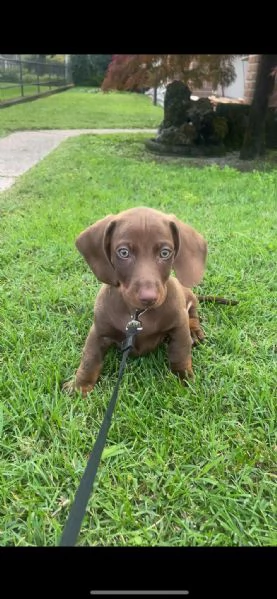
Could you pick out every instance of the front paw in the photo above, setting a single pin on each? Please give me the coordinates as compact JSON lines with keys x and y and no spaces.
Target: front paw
{"x":72,"y":386}
{"x":196,"y":332}
{"x":183,"y":371}
{"x":186,"y":376}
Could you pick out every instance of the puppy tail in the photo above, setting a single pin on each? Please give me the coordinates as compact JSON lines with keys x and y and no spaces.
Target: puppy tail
{"x":217,"y":300}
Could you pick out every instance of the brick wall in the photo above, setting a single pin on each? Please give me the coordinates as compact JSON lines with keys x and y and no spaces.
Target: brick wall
{"x":253,"y":63}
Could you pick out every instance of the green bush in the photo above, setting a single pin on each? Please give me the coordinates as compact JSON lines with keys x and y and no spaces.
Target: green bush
{"x":236,"y":117}
{"x":220,"y":126}
{"x":271,"y":128}
{"x":33,"y":78}
{"x":89,"y":69}
{"x":10,"y":75}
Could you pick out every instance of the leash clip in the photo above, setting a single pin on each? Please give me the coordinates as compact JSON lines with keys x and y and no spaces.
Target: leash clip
{"x":133,"y":327}
{"x":134,"y":324}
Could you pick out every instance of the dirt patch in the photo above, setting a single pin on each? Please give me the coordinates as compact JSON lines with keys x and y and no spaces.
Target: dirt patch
{"x":231,"y":159}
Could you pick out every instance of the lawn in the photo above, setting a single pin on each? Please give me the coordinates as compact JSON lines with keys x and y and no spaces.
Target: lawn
{"x":82,"y":108}
{"x":182,"y":466}
{"x":14,"y":91}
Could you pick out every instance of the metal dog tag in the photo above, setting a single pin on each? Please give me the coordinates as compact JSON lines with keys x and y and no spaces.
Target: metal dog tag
{"x":134,"y":324}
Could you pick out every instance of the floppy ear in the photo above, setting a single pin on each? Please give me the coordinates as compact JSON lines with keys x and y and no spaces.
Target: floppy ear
{"x":94,"y":244}
{"x":191,"y":253}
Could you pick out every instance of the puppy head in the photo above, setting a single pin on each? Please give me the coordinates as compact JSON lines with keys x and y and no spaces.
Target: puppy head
{"x":136,"y":251}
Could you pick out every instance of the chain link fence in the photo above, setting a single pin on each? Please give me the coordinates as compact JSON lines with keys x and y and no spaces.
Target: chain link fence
{"x":22,"y":78}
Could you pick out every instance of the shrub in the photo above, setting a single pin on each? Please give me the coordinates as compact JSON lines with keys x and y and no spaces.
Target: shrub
{"x":271,"y":128}
{"x":236,"y":116}
{"x":10,"y":74}
{"x":89,"y":69}
{"x":220,"y":126}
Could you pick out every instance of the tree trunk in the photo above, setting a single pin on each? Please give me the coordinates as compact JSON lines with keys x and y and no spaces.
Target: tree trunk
{"x":254,"y":138}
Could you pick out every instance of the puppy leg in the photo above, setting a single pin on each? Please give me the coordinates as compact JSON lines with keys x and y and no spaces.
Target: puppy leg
{"x":179,"y":351}
{"x":91,"y":363}
{"x":196,"y":331}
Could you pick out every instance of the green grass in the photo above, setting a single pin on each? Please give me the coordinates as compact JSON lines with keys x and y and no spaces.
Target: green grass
{"x":78,"y":109}
{"x":14,"y":91}
{"x":182,"y":466}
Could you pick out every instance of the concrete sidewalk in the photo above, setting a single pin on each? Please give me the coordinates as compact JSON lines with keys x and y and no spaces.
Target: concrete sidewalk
{"x":21,"y":150}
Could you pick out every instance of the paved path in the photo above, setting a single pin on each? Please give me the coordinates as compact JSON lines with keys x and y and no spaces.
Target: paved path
{"x":21,"y":150}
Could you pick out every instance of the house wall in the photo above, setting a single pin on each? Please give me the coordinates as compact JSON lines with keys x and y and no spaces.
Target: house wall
{"x":236,"y":89}
{"x":243,"y":86}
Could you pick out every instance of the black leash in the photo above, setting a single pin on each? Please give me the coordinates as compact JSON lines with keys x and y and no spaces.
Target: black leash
{"x":78,"y":508}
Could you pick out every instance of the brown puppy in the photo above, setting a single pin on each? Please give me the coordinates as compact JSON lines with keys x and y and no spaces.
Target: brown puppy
{"x":133,"y":253}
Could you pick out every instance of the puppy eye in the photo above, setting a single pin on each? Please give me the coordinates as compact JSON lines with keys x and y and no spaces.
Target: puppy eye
{"x":165,"y":253}
{"x":123,"y":253}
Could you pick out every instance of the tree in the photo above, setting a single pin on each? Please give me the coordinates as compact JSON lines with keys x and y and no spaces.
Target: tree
{"x":41,"y":60}
{"x":254,"y":137}
{"x":41,"y":63}
{"x":98,"y":66}
{"x":137,"y":71}
{"x":89,"y":69}
{"x":80,"y":69}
